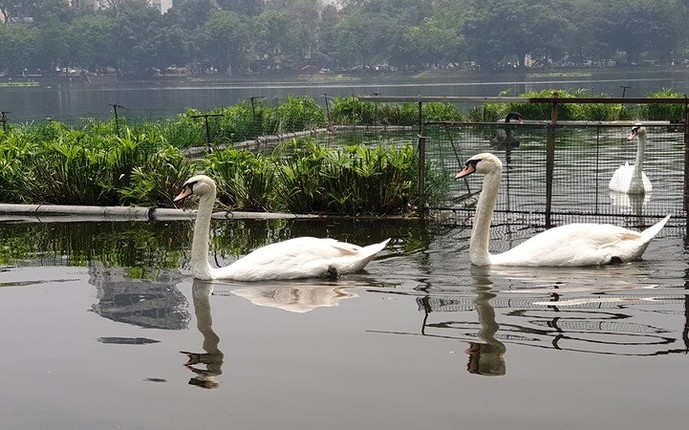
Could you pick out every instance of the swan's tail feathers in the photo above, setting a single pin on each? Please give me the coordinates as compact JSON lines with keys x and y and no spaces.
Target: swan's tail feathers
{"x":372,"y":250}
{"x":653,"y":230}
{"x":367,"y":253}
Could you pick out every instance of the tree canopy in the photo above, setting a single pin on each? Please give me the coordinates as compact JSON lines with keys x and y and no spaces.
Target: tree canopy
{"x":265,"y":36}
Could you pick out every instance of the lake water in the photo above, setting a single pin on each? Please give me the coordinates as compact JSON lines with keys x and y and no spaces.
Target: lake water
{"x":103,"y":327}
{"x":70,"y":101}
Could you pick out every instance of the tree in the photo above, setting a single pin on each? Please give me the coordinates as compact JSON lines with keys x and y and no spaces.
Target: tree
{"x":91,"y":40}
{"x":18,"y":48}
{"x":223,"y":40}
{"x":506,"y":30}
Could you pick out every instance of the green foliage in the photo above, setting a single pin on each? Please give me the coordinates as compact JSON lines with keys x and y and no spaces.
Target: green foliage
{"x":245,"y":180}
{"x":671,"y":112}
{"x":351,"y":110}
{"x":491,"y":112}
{"x":274,"y":36}
{"x":184,"y":131}
{"x":155,"y":181}
{"x":299,"y":113}
{"x":353,"y":179}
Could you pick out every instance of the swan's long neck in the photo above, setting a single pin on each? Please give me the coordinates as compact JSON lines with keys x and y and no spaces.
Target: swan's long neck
{"x":480,"y":232}
{"x":636,"y":183}
{"x":200,"y":266}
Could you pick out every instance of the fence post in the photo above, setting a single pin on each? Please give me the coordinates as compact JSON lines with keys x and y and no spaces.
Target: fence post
{"x":550,"y":161}
{"x":327,"y":108}
{"x":3,"y":119}
{"x":421,"y":187}
{"x":685,"y":200}
{"x":208,"y":128}
{"x":117,"y":119}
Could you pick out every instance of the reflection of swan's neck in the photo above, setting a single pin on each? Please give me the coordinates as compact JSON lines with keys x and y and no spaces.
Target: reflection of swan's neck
{"x":204,"y":321}
{"x":636,"y":183}
{"x":199,"y":248}
{"x":480,"y":232}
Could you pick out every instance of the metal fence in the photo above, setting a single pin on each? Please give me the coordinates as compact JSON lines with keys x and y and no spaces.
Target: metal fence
{"x":559,"y":171}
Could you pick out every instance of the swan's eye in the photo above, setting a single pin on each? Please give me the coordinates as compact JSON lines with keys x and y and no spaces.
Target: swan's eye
{"x":473,"y":162}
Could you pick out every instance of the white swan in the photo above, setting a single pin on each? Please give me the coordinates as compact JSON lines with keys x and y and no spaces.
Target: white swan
{"x":632,"y":179}
{"x":567,"y":245}
{"x":302,"y":257}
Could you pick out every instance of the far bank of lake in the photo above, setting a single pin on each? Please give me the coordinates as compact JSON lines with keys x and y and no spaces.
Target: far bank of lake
{"x":63,"y":98}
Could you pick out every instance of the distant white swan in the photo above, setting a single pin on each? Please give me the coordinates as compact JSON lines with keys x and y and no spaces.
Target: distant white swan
{"x":302,"y":257}
{"x":632,"y":179}
{"x":567,"y":245}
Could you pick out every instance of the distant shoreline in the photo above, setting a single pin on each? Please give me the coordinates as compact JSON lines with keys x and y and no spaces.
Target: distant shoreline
{"x":315,"y":78}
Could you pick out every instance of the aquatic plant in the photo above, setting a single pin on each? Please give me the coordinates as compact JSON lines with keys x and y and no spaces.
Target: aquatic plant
{"x":245,"y":179}
{"x":356,"y":179}
{"x":667,"y":112}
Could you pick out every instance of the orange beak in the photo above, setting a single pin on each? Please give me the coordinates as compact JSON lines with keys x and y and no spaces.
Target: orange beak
{"x":186,"y":192}
{"x":468,"y":170}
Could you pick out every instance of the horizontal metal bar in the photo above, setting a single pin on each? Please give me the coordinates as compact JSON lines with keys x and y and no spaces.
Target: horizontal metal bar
{"x":543,"y":100}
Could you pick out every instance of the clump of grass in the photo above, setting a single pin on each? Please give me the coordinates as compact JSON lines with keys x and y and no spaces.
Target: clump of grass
{"x":491,"y":112}
{"x":353,"y":179}
{"x":245,"y":179}
{"x":298,"y":113}
{"x":659,"y":112}
{"x":155,"y":181}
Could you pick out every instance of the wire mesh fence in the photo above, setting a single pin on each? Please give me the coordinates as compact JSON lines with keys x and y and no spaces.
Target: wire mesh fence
{"x":585,"y":158}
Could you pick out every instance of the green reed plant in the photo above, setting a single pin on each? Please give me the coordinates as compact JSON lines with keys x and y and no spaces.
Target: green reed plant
{"x":436,"y":111}
{"x":298,"y":113}
{"x":184,"y":131}
{"x":353,"y":179}
{"x":351,"y":110}
{"x":15,"y":148}
{"x":237,"y":123}
{"x":660,"y":112}
{"x":68,"y":172}
{"x":245,"y":179}
{"x":156,"y":179}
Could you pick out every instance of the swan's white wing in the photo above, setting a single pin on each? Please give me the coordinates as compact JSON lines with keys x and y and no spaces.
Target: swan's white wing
{"x":302,"y":257}
{"x":576,"y":245}
{"x":621,"y":178}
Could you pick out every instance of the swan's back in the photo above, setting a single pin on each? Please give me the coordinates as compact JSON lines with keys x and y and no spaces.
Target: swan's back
{"x":582,"y":244}
{"x":622,"y":179}
{"x":302,"y":257}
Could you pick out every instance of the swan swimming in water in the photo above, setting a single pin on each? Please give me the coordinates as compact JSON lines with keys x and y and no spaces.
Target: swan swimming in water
{"x":302,"y":257}
{"x":503,"y":135}
{"x":632,"y":179}
{"x":568,"y":245}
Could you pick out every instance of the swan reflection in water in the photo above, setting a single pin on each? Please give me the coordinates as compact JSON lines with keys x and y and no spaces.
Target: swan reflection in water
{"x":488,"y":357}
{"x":292,"y":296}
{"x":633,"y":202}
{"x":578,"y":310}
{"x":212,"y":358}
{"x":302,"y":296}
